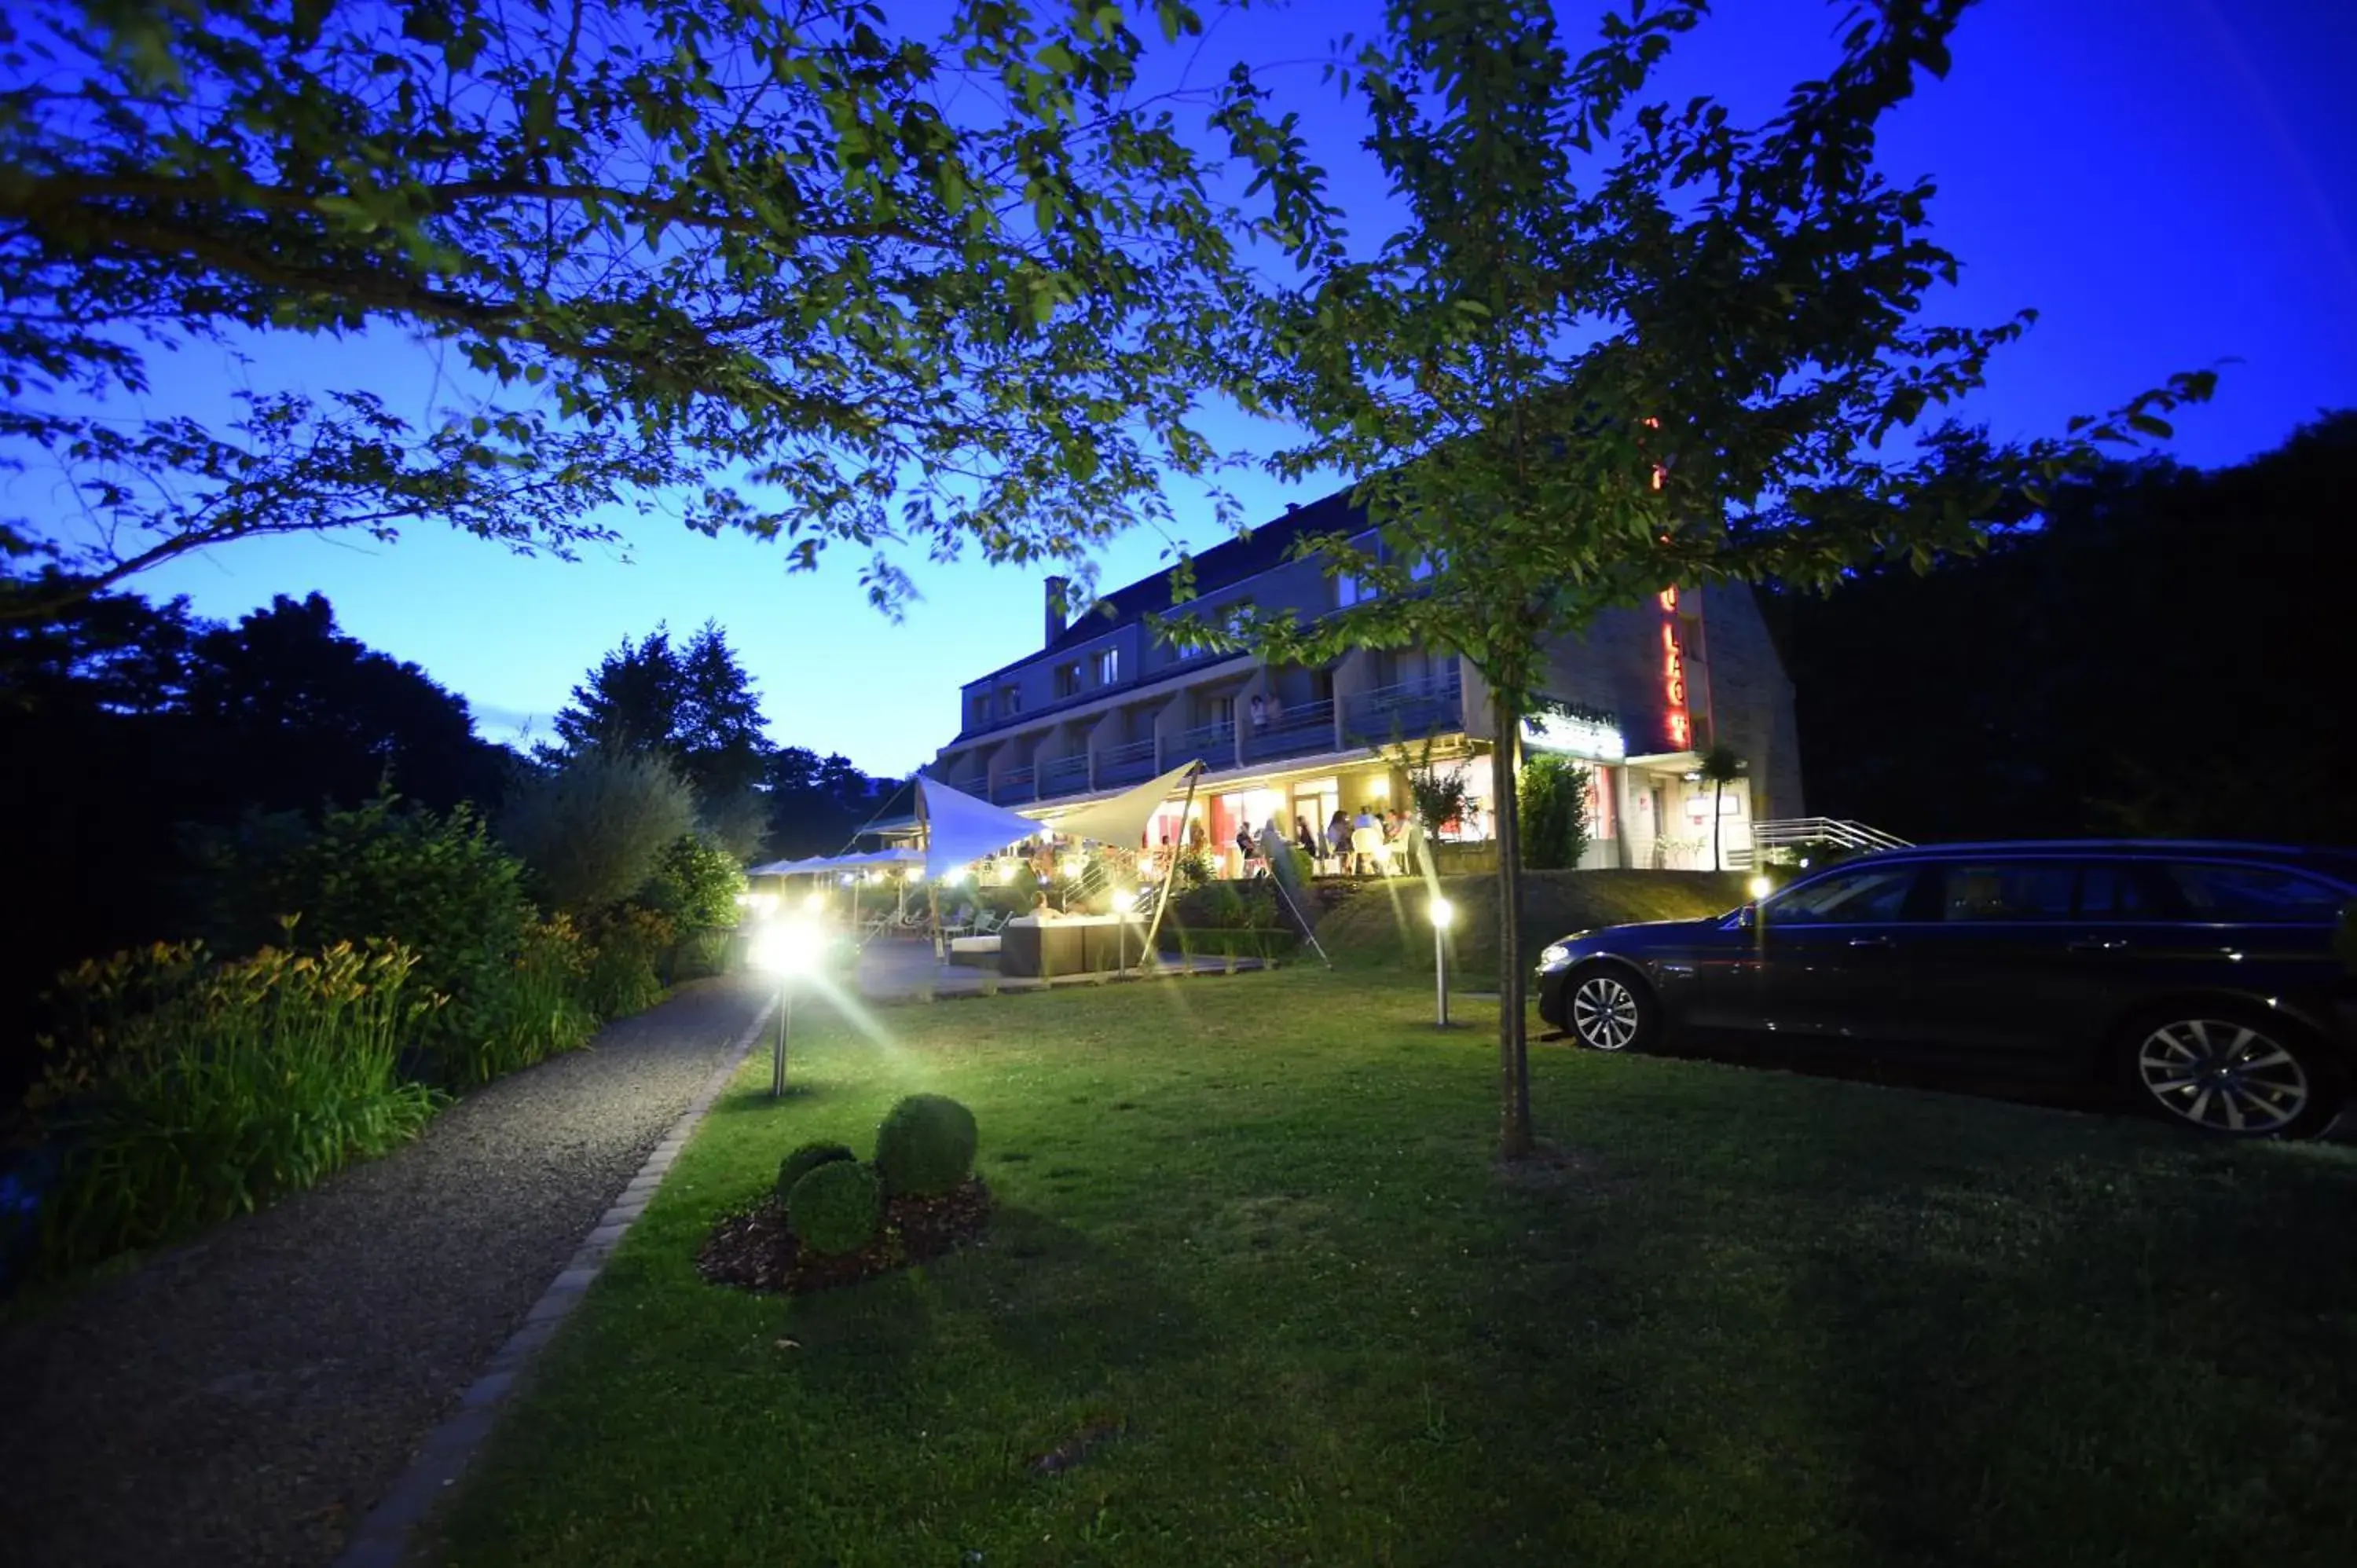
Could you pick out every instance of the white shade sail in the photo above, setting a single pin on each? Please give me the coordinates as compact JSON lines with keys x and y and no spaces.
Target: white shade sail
{"x":960,"y":828}
{"x":1121,"y":821}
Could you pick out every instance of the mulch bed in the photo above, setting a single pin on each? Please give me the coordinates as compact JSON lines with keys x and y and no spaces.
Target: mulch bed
{"x":755,"y":1250}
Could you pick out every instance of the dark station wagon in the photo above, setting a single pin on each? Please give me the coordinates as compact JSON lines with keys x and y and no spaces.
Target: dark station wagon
{"x":2200,"y":978}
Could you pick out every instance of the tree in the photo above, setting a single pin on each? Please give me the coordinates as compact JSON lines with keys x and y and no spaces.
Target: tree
{"x":594,"y":829}
{"x":816,"y":802}
{"x":298,"y":713}
{"x":782,"y":269}
{"x":1617,"y":346}
{"x":695,"y":706}
{"x":1720,"y":766}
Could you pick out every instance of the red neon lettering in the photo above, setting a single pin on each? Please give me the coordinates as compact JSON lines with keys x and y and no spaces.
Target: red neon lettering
{"x":1669,"y":599}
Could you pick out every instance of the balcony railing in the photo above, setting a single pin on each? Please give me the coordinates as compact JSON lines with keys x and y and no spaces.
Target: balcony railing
{"x":1064,"y":776}
{"x":1132,"y":763}
{"x":1015,"y":784}
{"x":1410,"y":710}
{"x":1215,"y":742}
{"x":1297,"y":731}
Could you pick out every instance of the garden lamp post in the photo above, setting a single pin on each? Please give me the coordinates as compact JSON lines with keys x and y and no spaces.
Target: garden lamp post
{"x":785,"y":948}
{"x":1442,"y":912}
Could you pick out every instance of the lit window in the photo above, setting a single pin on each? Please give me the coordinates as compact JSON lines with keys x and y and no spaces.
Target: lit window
{"x":1068,"y":679}
{"x":1108,"y":666}
{"x":1010,"y":701}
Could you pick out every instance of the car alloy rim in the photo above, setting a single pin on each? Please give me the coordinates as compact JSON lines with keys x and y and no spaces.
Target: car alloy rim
{"x":2226,"y":1077}
{"x":1604,"y":1013}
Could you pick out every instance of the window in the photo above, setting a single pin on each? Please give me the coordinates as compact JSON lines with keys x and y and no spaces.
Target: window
{"x":1232,"y":617}
{"x":1108,"y":666}
{"x":2256,"y":893}
{"x":2111,"y":893}
{"x":1348,"y":590}
{"x":1426,"y":565}
{"x":1010,"y":701}
{"x":1068,"y":679}
{"x":980,"y":708}
{"x":2006,"y":890}
{"x":1869,"y":893}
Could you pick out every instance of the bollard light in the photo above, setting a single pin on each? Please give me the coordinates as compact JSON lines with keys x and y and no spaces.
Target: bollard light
{"x":1759,"y":888}
{"x":785,"y":948}
{"x":1443,"y":914}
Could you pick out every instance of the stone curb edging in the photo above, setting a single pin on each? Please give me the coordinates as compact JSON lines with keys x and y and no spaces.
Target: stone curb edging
{"x":382,"y":1539}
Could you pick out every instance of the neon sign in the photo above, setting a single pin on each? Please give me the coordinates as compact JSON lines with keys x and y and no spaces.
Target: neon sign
{"x":1674,"y":674}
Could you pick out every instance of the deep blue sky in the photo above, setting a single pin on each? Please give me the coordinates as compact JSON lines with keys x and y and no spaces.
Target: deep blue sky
{"x":2172,"y":183}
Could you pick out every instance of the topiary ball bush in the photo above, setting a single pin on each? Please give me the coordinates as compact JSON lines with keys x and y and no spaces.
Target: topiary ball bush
{"x":835,"y":1207}
{"x":925,"y":1146}
{"x":806,"y":1159}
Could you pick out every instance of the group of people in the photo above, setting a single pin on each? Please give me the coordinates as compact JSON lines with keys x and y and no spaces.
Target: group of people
{"x":1342,"y":848}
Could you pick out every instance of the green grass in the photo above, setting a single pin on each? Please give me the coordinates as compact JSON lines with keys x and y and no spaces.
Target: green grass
{"x":1382,"y":924}
{"x":1757,"y":1319}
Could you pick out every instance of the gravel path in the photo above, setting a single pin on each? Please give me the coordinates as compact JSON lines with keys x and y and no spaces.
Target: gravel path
{"x":245,"y":1398}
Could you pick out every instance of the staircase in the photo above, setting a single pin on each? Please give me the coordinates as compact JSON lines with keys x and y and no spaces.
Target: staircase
{"x":1800,"y":833}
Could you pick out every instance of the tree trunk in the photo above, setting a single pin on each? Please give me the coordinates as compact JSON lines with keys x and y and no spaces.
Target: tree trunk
{"x":1718,"y":789}
{"x":1513,"y":1044}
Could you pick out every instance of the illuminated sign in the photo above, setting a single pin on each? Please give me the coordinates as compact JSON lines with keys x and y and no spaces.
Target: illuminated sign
{"x":1674,"y":674}
{"x":1575,"y":735}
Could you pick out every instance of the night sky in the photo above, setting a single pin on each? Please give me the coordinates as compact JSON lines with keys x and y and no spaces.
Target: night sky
{"x":2171,"y":183}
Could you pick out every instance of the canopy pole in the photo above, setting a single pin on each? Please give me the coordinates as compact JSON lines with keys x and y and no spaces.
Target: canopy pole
{"x":932,"y":883}
{"x":1169,"y":872}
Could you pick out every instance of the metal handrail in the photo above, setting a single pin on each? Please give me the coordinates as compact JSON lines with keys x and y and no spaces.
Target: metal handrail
{"x":1313,"y":720}
{"x":1365,"y":709}
{"x":1015,"y":784}
{"x":1065,"y":773}
{"x":1784,"y":832}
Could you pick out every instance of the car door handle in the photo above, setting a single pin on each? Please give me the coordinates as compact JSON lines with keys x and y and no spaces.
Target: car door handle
{"x":1883,"y":942}
{"x":2096,"y":944}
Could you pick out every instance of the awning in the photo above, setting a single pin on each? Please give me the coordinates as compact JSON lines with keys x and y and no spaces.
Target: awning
{"x":960,"y":829}
{"x":819,"y":865}
{"x":1121,"y":821}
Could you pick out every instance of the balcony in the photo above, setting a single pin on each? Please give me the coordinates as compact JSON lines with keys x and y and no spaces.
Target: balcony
{"x":1214,"y":743}
{"x":1297,"y":731}
{"x":1409,"y":711}
{"x":1129,"y":764}
{"x":1064,"y":776}
{"x":1014,"y":786}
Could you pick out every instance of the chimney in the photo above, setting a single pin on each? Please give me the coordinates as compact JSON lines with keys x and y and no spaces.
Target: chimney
{"x":1056,"y":587}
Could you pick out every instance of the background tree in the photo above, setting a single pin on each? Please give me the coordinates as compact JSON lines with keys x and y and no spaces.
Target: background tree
{"x":693,"y":706}
{"x":1720,"y":766}
{"x":817,"y":803}
{"x":594,"y":828}
{"x":2157,"y":653}
{"x":1616,"y":345}
{"x":740,"y":258}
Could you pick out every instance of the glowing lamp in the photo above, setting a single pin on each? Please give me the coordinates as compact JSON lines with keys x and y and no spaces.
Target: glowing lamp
{"x":817,"y":899}
{"x":786,"y":948}
{"x":1443,"y":913}
{"x":1761,"y":886}
{"x":1381,"y":788}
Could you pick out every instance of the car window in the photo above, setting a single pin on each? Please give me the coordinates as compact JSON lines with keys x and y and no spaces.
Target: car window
{"x":1866,"y":894}
{"x":2259,"y":893}
{"x":2111,"y":893}
{"x":2006,"y":890}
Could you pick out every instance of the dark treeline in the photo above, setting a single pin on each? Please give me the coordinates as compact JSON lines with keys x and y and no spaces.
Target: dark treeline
{"x":134,"y":734}
{"x":2167,"y":653}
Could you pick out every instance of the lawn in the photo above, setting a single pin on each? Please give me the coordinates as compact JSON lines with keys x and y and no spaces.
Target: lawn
{"x":1251,"y":1236}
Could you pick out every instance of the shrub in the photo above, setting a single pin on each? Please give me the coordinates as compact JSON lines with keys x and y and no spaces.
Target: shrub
{"x":925,"y":1145}
{"x":806,"y":1159}
{"x":182,"y":1090}
{"x":437,"y":885}
{"x":835,"y":1207}
{"x":535,"y":1009}
{"x":594,"y":829}
{"x":1554,"y":800}
{"x":695,"y":883}
{"x":626,"y":947}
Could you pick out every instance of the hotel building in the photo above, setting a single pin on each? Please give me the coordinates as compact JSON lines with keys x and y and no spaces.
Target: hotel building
{"x":1105,"y":705}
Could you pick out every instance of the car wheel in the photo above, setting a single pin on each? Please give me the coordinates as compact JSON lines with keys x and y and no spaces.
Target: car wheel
{"x":2232,"y":1070}
{"x":1608,"y":1009}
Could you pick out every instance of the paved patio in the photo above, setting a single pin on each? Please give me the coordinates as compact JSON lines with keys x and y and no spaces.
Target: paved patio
{"x":900,"y":968}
